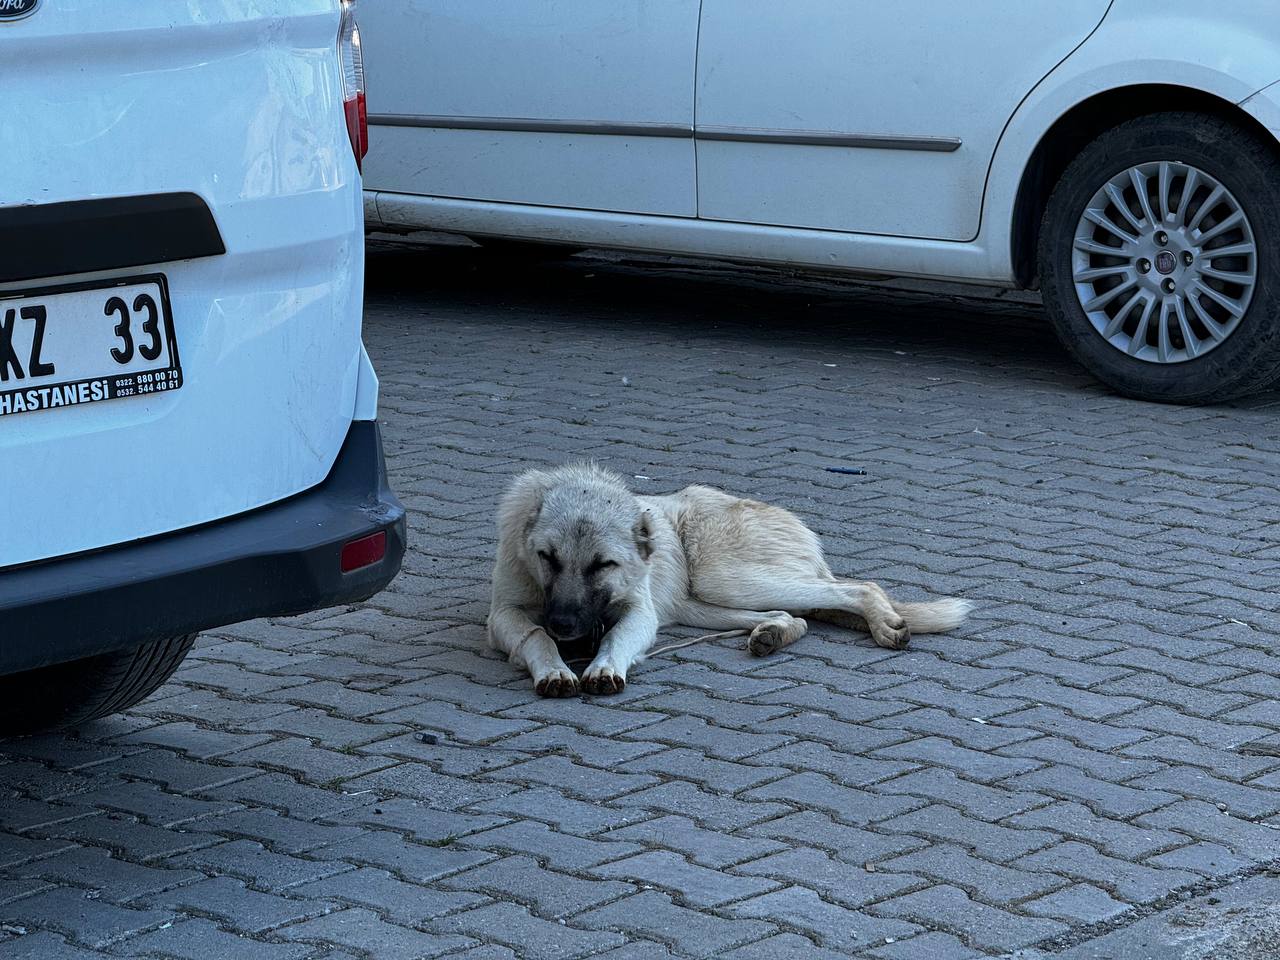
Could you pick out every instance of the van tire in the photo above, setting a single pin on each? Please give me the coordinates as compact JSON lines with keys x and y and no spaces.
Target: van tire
{"x":70,"y":694}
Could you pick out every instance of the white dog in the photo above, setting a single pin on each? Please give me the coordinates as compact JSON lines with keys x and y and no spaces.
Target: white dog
{"x":579,"y":554}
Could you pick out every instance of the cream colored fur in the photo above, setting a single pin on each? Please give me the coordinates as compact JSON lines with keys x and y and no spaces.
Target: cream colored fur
{"x":700,"y":557}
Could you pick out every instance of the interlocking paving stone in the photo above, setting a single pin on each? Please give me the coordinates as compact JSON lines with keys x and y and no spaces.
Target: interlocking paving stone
{"x":575,"y":779}
{"x":1112,"y":799}
{"x":846,"y":804}
{"x":1081,"y":731}
{"x":202,"y":940}
{"x":596,"y":751}
{"x":711,"y":740}
{"x":829,"y":924}
{"x":257,"y":865}
{"x":975,"y":764}
{"x":153,"y":804}
{"x":417,"y":820}
{"x":1204,"y":820}
{"x":1209,"y":859}
{"x":420,"y":782}
{"x":989,"y":882}
{"x":706,"y":771}
{"x":562,"y":851}
{"x":1115,"y":837}
{"x":517,"y":927}
{"x":709,"y":848}
{"x":132,"y":839}
{"x":364,"y":931}
{"x":84,"y":918}
{"x":402,"y":901}
{"x":1251,"y":802}
{"x":1134,"y":882}
{"x":785,"y":946}
{"x":844,"y":842}
{"x":1090,"y":733}
{"x":236,"y":905}
{"x":565,"y":813}
{"x":709,"y":809}
{"x":1078,"y":903}
{"x":690,"y":932}
{"x":420,"y":862}
{"x":934,"y":946}
{"x":43,"y":946}
{"x":698,"y":886}
{"x":999,"y":844}
{"x":551,"y":894}
{"x":978,"y":925}
{"x":962,"y":730}
{"x":279,"y":791}
{"x":846,"y":883}
{"x":127,"y":880}
{"x":978,"y":800}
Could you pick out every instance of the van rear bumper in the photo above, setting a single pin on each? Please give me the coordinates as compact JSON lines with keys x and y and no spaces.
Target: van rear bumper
{"x":281,"y":559}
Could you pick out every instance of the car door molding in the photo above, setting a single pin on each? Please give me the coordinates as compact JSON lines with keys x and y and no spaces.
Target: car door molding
{"x":824,"y":138}
{"x":814,"y":138}
{"x":522,"y":125}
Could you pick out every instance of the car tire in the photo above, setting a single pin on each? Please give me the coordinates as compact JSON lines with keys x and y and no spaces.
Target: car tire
{"x":526,"y":250}
{"x":70,"y":694}
{"x":1207,"y":340}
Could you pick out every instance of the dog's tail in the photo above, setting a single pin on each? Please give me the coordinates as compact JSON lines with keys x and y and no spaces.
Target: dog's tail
{"x":934,"y":616}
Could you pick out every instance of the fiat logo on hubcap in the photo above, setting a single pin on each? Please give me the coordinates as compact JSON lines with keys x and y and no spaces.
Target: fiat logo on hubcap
{"x":1165,"y":262}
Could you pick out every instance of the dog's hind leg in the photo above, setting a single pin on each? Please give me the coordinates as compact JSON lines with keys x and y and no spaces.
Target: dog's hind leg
{"x":766,"y":585}
{"x":841,"y":618}
{"x":770,"y":630}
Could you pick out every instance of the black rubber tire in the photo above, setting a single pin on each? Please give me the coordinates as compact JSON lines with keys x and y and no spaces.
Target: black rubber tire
{"x":1249,"y":359}
{"x":69,"y":694}
{"x":527,"y":250}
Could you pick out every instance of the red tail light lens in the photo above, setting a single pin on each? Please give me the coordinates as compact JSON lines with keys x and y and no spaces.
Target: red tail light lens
{"x":353,"y":103}
{"x":363,"y":552}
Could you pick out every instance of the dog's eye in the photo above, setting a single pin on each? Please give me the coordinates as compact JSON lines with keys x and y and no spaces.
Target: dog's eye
{"x":552,"y":560}
{"x":598,"y":565}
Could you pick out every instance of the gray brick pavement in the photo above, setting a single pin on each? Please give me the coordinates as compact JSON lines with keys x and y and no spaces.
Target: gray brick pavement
{"x":1091,"y":747}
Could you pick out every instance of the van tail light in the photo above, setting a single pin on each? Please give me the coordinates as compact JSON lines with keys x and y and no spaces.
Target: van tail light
{"x":357,"y":554}
{"x":353,"y":104}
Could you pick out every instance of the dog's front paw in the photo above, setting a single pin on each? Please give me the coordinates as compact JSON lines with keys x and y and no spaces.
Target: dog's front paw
{"x":892,"y":633}
{"x":557,"y":683}
{"x":603,"y":679}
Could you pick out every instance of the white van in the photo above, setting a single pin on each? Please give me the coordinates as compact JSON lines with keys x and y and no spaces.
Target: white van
{"x":188,"y":432}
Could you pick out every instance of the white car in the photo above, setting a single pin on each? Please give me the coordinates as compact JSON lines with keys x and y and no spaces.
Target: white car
{"x":1122,"y":155}
{"x":187,"y":414}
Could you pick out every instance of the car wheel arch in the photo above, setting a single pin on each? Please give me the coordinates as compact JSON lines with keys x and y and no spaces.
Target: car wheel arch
{"x":1080,"y":125}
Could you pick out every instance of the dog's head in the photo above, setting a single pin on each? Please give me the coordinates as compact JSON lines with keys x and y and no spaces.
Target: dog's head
{"x":587,"y":541}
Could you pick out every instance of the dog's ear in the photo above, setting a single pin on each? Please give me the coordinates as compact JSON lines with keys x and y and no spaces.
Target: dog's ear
{"x":522,"y":505}
{"x":533,"y":510}
{"x":642,"y":530}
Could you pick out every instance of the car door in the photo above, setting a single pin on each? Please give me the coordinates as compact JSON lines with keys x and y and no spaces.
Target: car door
{"x":865,"y":116}
{"x":568,"y":103}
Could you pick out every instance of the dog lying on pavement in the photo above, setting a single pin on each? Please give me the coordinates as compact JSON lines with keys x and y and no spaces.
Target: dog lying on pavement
{"x":579,"y":554}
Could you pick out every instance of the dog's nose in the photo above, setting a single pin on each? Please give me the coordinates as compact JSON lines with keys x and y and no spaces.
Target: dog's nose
{"x":561,"y":625}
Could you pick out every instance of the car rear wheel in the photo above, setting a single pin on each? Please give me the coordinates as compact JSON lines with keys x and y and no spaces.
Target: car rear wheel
{"x":69,"y":694}
{"x":1160,"y":259}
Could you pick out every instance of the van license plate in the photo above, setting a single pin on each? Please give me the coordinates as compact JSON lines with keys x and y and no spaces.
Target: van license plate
{"x":74,"y":344}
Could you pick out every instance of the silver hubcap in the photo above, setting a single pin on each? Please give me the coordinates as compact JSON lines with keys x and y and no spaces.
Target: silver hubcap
{"x":1164,"y":262}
